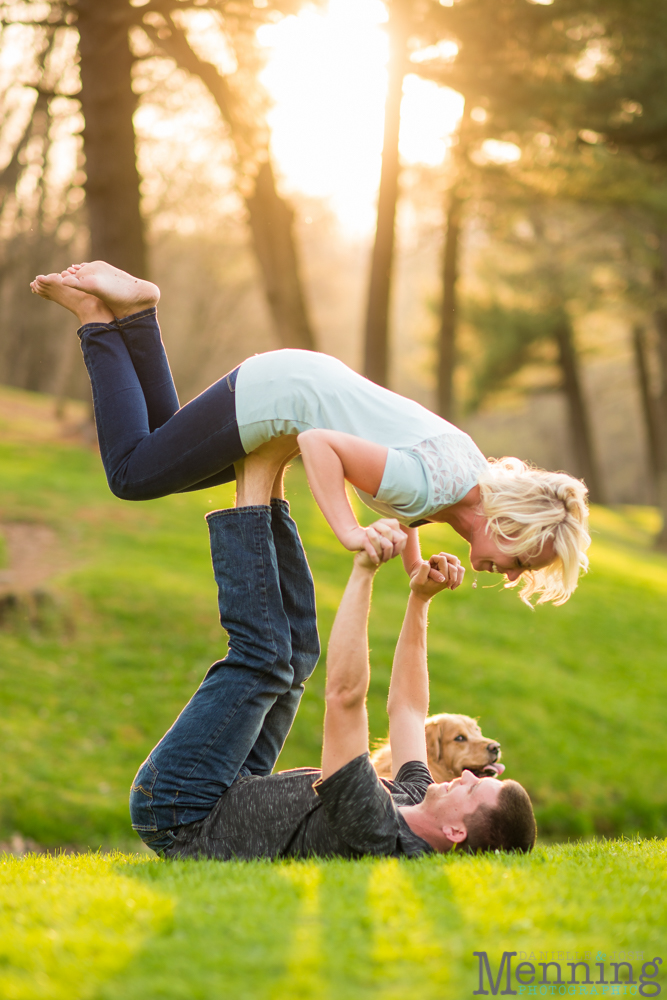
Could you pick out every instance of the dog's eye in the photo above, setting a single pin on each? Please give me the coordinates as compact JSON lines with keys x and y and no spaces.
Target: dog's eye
{"x":460,"y":738}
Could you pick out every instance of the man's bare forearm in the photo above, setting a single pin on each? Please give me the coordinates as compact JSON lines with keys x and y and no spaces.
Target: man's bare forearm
{"x":348,"y":674}
{"x":409,"y":689}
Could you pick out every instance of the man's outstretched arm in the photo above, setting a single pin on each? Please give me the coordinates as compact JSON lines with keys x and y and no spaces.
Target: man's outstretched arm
{"x":348,"y":672}
{"x":407,"y":704}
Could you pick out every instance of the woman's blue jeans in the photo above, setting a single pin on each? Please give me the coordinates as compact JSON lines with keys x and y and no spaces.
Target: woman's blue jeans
{"x":149,"y":446}
{"x":237,"y":721}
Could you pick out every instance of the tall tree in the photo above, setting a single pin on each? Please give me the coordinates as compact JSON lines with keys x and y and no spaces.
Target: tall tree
{"x":542,"y":254}
{"x":512,"y":61}
{"x":625,"y":111}
{"x":270,"y":216}
{"x":40,"y":215}
{"x":376,"y":349}
{"x":108,"y":103}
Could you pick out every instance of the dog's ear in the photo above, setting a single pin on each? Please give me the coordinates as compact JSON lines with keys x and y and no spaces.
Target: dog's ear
{"x":433,"y":745}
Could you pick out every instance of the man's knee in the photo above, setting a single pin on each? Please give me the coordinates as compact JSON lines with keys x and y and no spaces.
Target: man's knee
{"x":304,"y":659}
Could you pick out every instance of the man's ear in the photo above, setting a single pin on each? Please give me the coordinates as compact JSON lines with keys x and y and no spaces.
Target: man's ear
{"x":457,"y":834}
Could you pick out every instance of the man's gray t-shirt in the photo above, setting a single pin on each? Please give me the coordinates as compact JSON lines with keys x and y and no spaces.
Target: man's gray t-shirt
{"x":295,"y":814}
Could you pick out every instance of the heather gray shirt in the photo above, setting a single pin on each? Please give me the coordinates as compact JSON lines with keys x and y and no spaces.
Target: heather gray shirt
{"x":295,"y":814}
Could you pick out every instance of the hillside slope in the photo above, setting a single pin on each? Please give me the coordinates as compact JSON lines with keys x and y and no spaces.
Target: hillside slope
{"x":99,"y":656}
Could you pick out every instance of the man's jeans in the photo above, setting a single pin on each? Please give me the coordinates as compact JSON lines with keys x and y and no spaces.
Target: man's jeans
{"x":149,"y":446}
{"x":237,"y":721}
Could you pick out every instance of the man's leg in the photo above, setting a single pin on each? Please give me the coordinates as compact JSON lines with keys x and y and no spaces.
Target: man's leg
{"x":298,"y":595}
{"x":201,"y":755}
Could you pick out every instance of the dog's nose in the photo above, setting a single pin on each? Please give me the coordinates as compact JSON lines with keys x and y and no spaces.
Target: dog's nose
{"x":494,"y":748}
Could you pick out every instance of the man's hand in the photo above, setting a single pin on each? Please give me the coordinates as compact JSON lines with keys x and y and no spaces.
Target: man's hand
{"x":441,"y":572}
{"x":381,"y":540}
{"x":362,"y":560}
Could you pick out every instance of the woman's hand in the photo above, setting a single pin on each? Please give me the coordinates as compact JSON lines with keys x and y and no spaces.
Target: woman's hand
{"x":381,"y":540}
{"x":442,"y":572}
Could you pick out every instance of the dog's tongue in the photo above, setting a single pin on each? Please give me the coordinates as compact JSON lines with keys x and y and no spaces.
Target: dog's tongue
{"x":496,"y":768}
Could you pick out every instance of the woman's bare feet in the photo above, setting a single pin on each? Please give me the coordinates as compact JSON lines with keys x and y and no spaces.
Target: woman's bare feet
{"x":87,"y":308}
{"x":123,"y":293}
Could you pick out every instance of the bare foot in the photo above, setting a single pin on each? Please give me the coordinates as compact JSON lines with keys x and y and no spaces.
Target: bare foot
{"x":87,"y":308}
{"x":123,"y":293}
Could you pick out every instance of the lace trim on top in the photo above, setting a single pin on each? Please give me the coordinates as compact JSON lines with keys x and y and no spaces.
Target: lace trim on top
{"x":453,"y":461}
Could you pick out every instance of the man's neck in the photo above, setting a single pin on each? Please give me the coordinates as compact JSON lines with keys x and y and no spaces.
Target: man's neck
{"x":422,"y":824}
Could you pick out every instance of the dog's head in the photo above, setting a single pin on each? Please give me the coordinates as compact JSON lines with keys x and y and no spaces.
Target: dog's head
{"x":455,"y":744}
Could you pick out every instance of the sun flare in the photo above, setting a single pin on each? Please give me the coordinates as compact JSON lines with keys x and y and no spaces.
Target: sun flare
{"x":327,"y":74}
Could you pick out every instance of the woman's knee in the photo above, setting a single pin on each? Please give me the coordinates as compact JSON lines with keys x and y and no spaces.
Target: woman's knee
{"x":125,"y":490}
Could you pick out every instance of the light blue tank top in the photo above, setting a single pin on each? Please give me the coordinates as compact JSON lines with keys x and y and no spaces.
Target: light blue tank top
{"x":431,"y":464}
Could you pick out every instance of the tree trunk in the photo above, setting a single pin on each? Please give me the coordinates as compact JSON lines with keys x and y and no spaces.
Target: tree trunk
{"x":660,"y":319}
{"x":271,"y":217}
{"x":376,"y":351}
{"x":661,"y":326}
{"x":581,"y":438}
{"x":108,"y":103}
{"x":448,"y":313}
{"x":649,"y":407}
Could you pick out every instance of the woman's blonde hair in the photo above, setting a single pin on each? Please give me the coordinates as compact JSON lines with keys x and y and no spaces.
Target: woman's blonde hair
{"x":527,"y":507}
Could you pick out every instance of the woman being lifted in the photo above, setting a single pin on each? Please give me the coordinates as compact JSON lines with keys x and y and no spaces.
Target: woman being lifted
{"x":407,"y":464}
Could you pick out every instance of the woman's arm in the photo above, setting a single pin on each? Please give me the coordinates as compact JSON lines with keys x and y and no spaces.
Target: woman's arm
{"x":331,"y":457}
{"x":412,"y":556}
{"x":412,"y":553}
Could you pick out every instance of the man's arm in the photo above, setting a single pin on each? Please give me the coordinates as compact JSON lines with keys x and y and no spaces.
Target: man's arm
{"x":407,"y":704}
{"x":348,"y":672}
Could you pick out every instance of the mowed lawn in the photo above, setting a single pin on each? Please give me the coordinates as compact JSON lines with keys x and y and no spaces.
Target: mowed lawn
{"x":93,"y":673}
{"x":119,"y":928}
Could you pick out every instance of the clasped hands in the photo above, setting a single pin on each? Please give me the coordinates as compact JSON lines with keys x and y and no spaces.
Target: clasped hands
{"x":384,"y":539}
{"x":381,"y":541}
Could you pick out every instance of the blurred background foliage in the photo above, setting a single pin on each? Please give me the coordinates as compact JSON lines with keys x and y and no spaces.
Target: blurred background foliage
{"x":516,"y":284}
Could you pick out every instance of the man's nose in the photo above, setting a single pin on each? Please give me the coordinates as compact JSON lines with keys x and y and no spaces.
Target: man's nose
{"x":494,"y":749}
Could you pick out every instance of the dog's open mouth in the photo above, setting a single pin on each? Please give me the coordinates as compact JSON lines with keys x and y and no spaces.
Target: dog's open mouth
{"x":488,"y":771}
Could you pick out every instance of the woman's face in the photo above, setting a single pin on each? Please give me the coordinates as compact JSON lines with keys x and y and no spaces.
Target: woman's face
{"x":487,"y":557}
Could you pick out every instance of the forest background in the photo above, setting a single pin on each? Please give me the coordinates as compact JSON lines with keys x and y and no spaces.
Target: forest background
{"x":513,"y":277}
{"x":466,"y":201}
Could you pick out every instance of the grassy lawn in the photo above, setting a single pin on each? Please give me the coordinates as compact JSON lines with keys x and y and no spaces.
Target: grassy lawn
{"x":118,"y":928}
{"x":92,"y":676}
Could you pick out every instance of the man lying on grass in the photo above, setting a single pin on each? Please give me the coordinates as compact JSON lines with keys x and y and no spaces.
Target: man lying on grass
{"x":206,"y":790}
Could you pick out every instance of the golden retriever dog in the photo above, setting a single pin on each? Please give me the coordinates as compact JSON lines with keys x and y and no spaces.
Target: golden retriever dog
{"x":454,"y":744}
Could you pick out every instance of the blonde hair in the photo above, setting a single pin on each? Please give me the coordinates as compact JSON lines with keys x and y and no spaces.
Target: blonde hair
{"x":527,"y":507}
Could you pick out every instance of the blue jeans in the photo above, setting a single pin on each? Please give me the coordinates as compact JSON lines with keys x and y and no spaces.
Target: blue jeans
{"x":237,"y":721}
{"x":149,"y":446}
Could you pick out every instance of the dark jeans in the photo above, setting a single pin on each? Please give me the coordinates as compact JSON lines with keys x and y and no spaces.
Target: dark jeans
{"x":237,"y":721}
{"x":149,"y":446}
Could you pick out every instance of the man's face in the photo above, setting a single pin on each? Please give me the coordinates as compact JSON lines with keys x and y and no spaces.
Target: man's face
{"x":450,"y":802}
{"x":486,"y":556}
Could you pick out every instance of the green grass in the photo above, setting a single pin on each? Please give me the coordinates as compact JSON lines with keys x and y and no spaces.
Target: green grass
{"x":576,"y":695}
{"x":89,"y":683}
{"x":118,"y":928}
